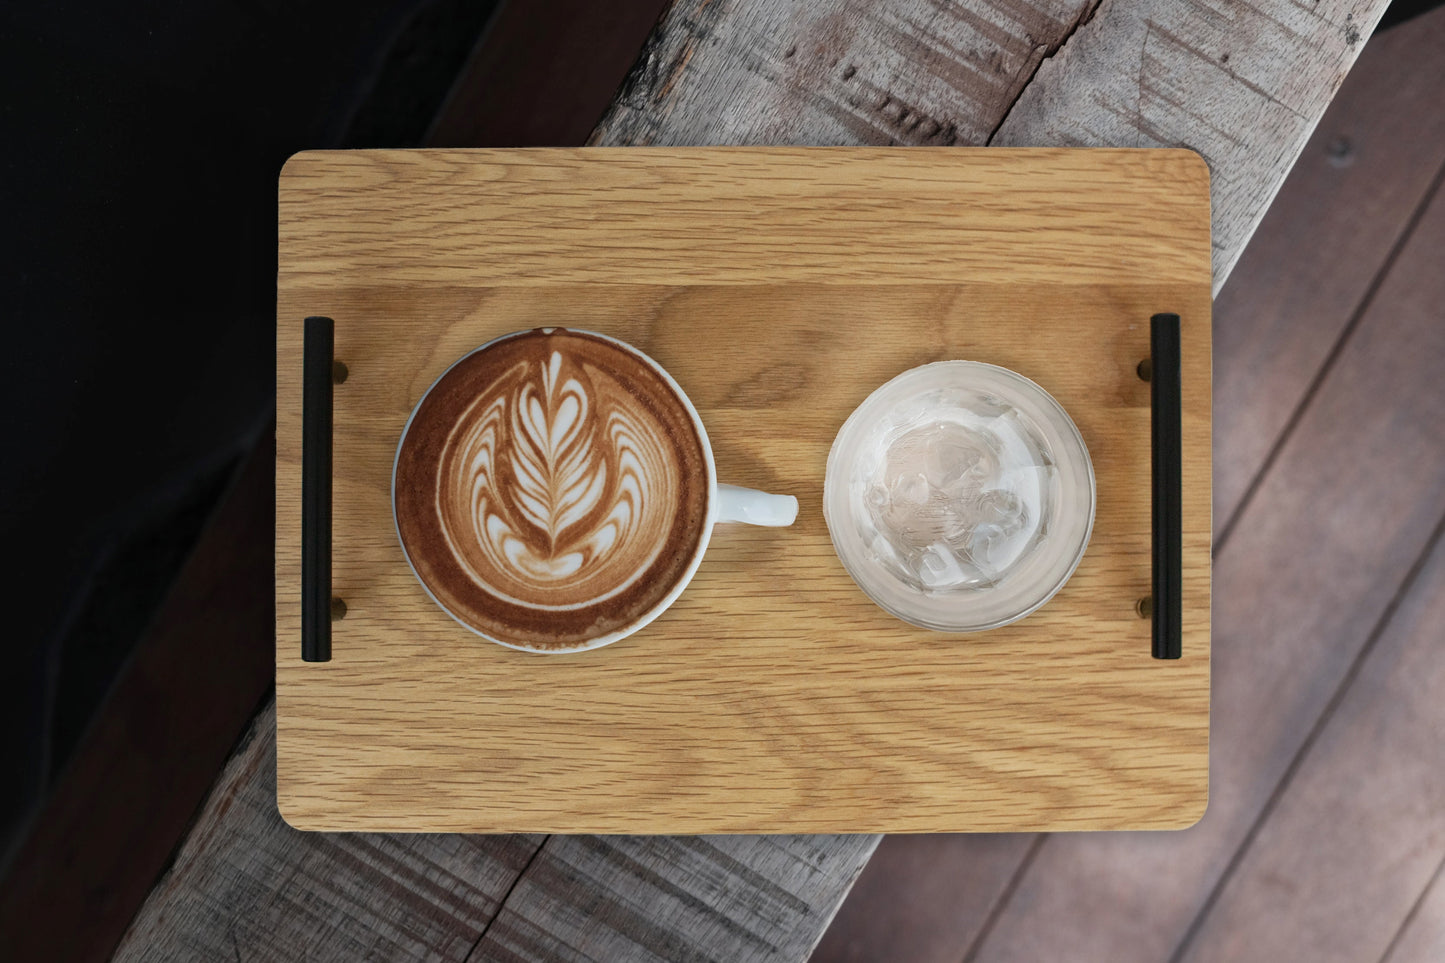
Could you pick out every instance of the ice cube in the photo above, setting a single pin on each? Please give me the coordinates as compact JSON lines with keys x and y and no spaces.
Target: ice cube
{"x":954,"y":506}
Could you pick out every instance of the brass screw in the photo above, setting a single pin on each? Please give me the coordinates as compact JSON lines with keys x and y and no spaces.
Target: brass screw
{"x":338,"y":372}
{"x":338,"y":609}
{"x":1145,"y":607}
{"x":1145,"y":369}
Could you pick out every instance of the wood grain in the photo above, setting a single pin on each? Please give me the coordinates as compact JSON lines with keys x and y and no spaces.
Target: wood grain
{"x":247,"y":885}
{"x":1313,"y":564}
{"x":1297,"y":892}
{"x":1349,"y":198}
{"x":674,"y":899}
{"x":738,"y":216}
{"x":1304,"y":275}
{"x":838,"y":72}
{"x":711,"y":36}
{"x":773,"y":695}
{"x":1242,"y":83}
{"x":1380,"y":706}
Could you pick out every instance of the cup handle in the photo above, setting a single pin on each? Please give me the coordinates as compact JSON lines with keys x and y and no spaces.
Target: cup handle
{"x":749,"y":505}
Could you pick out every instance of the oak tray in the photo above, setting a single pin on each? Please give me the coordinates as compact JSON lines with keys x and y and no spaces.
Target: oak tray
{"x":780,"y":287}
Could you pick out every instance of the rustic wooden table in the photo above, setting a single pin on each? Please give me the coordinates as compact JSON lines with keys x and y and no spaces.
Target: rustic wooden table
{"x":1241,"y":83}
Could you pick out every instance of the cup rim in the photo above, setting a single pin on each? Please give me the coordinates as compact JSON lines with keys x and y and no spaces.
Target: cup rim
{"x":709,"y":515}
{"x":1068,"y":429}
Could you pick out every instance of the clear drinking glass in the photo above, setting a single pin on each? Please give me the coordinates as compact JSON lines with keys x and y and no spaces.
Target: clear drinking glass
{"x":959,"y":496}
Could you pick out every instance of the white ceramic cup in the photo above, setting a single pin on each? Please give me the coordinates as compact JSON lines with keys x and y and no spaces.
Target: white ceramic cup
{"x":725,"y":503}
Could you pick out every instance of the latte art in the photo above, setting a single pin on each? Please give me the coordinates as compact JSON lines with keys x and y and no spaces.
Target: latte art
{"x":551,"y":487}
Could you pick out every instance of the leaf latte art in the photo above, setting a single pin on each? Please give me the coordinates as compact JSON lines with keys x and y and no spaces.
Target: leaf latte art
{"x":550,"y":487}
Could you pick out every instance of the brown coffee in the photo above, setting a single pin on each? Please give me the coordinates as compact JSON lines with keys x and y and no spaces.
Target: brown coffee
{"x":551,"y":489}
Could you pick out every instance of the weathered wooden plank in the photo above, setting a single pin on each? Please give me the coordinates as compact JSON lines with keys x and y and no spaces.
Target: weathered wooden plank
{"x":1341,"y":860}
{"x":1242,"y":83}
{"x":838,"y":72}
{"x":1274,"y":323}
{"x":1346,"y":202}
{"x":1343,"y":514}
{"x":676,"y":899}
{"x":246,"y":884}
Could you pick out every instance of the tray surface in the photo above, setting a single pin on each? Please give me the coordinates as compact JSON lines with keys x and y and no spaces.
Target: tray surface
{"x":779,"y":286}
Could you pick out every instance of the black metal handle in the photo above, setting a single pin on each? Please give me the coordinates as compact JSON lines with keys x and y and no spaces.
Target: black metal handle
{"x":1168,"y":472}
{"x":316,"y":491}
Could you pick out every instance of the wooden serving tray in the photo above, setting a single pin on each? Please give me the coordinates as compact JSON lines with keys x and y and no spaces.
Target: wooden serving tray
{"x":780,"y":287}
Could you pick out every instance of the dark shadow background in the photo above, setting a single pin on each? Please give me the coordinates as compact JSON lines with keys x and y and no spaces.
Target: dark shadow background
{"x":142,"y":143}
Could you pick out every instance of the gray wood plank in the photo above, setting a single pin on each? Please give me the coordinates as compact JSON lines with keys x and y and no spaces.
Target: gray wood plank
{"x":1341,"y":212}
{"x":247,"y":886}
{"x":843,"y":72}
{"x":1341,"y":861}
{"x":676,"y":899}
{"x":1345,"y":511}
{"x":1242,"y":83}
